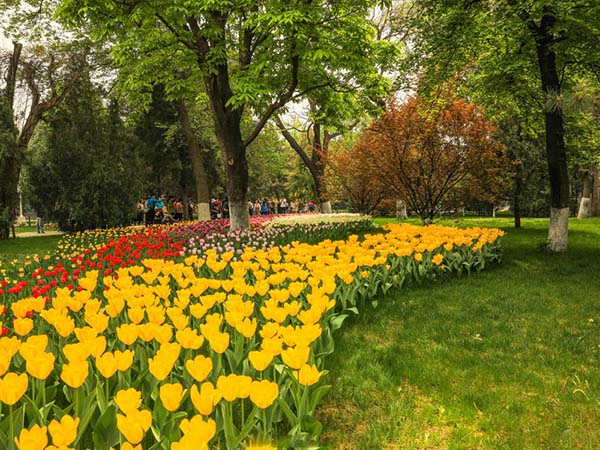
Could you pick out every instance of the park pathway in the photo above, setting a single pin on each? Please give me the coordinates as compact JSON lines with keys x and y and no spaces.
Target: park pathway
{"x":33,"y":233}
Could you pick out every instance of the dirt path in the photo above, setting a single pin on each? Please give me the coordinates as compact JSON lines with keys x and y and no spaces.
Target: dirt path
{"x":33,"y":233}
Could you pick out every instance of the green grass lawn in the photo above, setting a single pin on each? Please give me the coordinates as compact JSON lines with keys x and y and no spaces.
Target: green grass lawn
{"x":18,"y":248}
{"x":504,"y":359}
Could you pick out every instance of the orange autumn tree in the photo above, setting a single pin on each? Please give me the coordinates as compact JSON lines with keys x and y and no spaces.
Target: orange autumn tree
{"x":427,"y":152}
{"x":352,"y":175}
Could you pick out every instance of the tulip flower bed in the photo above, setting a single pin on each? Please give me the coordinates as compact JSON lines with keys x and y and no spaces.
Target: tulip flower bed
{"x":204,"y":352}
{"x":107,"y":250}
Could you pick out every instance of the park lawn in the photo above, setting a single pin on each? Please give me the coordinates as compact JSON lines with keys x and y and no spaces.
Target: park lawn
{"x":21,"y":247}
{"x":503,"y":359}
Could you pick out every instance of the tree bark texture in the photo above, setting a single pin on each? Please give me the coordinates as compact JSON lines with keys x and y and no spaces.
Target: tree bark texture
{"x":517,"y":195}
{"x":202,"y":191}
{"x":228,"y":131}
{"x":586,"y":198}
{"x":595,"y":201}
{"x":555,"y":144}
{"x":557,"y":232}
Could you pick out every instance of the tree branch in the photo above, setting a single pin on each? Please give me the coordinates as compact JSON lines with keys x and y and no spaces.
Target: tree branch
{"x":175,"y":32}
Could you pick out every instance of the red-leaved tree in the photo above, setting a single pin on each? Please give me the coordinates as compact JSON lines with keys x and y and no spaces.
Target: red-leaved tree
{"x":352,"y":176}
{"x":426,"y":151}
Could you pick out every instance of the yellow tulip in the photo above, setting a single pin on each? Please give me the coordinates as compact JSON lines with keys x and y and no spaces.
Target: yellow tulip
{"x":269,"y":330}
{"x":107,"y":364}
{"x":307,"y":375}
{"x":160,"y":367}
{"x":12,"y":345}
{"x":124,"y":359}
{"x":128,"y":446}
{"x":128,"y":400}
{"x":199,"y":367}
{"x":40,"y":365}
{"x":22,"y":326}
{"x":171,"y":395}
{"x":234,"y":386}
{"x":75,"y":373}
{"x":263,"y":393}
{"x":36,"y":438}
{"x":12,"y":387}
{"x":189,"y":339}
{"x":197,"y":428}
{"x":206,"y":398}
{"x":97,"y":346}
{"x":136,"y":315}
{"x":64,"y":432}
{"x":64,"y":326}
{"x":130,"y":428}
{"x":5,"y":359}
{"x":76,"y":352}
{"x":260,"y":360}
{"x":86,"y":334}
{"x":295,"y":357}
{"x":219,"y":342}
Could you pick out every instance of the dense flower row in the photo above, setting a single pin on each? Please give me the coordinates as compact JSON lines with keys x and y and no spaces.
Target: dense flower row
{"x":315,"y":219}
{"x":108,"y":250}
{"x":204,"y":352}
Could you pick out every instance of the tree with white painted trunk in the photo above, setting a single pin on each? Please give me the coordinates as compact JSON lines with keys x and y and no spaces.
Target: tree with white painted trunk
{"x":551,"y":40}
{"x":249,"y":57}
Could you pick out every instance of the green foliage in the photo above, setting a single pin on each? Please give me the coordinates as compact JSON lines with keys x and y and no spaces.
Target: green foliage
{"x":167,"y":167}
{"x":83,"y":173}
{"x":269,"y":165}
{"x":8,"y":140}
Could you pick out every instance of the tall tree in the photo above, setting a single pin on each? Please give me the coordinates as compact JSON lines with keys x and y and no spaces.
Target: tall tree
{"x":248,"y":56}
{"x":82,"y":173}
{"x":553,"y":39}
{"x":47,"y":73}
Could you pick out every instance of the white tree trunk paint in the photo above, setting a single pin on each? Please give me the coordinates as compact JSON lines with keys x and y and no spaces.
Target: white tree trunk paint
{"x":326,"y":207}
{"x":558,"y":231}
{"x":203,"y":211}
{"x":584,"y":207}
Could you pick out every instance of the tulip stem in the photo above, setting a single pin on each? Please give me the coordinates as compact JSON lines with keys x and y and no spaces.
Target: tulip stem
{"x":243,"y":414}
{"x":76,"y":395}
{"x":12,"y":427}
{"x":43,"y":387}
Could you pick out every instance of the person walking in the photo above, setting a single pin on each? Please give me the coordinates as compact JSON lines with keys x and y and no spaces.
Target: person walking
{"x":39,"y":224}
{"x":150,"y":207}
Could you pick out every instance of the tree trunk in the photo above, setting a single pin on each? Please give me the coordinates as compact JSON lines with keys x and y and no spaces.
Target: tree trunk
{"x":228,"y":132}
{"x":10,"y":166}
{"x":586,"y":197}
{"x":517,"y":195}
{"x":555,"y":144}
{"x":202,"y":191}
{"x":557,"y":232}
{"x":595,"y":201}
{"x":401,"y":210}
{"x":319,"y":154}
{"x":315,"y":163}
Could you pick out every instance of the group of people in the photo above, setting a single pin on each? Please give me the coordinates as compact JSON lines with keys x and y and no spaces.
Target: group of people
{"x":278,"y":206}
{"x":160,"y":210}
{"x":154,"y":210}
